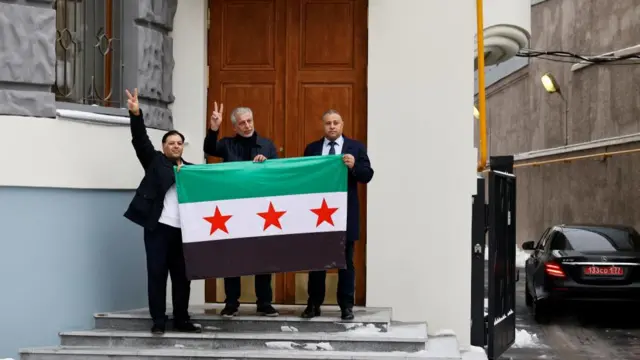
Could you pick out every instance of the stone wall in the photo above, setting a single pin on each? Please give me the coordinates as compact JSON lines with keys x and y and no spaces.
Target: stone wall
{"x":149,"y":50}
{"x":602,"y":101}
{"x":27,"y":58}
{"x":28,"y":35}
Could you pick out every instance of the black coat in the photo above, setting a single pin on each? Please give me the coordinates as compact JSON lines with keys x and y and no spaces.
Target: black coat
{"x":147,"y":204}
{"x":360,"y":173}
{"x":237,"y":148}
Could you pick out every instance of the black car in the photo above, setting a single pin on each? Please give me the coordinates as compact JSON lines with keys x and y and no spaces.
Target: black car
{"x":579,"y":263}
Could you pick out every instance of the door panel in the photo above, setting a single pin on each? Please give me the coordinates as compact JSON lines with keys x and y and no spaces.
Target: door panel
{"x":246,"y":68}
{"x":326,"y":69}
{"x":290,"y":61}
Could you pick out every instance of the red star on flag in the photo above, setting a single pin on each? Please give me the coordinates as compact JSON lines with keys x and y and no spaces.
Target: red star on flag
{"x":218,"y":221}
{"x":271,"y":217}
{"x":324,"y":213}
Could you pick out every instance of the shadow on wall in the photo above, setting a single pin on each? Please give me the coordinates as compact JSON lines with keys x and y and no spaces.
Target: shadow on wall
{"x":64,"y":255}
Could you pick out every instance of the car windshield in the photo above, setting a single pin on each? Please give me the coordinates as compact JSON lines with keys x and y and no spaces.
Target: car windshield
{"x":601,"y":239}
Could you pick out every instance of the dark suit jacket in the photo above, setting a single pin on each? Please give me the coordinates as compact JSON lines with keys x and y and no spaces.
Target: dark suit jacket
{"x":147,"y":204}
{"x":360,"y":173}
{"x":230,"y":148}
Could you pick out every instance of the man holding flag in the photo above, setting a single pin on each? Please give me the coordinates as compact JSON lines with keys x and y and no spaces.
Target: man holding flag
{"x":246,"y":145}
{"x":155,"y":208}
{"x":360,"y":171}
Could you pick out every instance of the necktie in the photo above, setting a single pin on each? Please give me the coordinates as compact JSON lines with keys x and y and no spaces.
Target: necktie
{"x":332,"y":150}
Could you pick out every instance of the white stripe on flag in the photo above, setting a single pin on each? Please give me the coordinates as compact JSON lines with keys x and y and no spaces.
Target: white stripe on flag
{"x":245,"y":222}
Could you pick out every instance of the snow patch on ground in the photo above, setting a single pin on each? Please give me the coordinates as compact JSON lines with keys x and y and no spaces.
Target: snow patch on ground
{"x":286,"y":328}
{"x":319,"y":346}
{"x":351,"y":325}
{"x":521,"y":256}
{"x":281,"y":345}
{"x":525,"y":339}
{"x":474,"y":353}
{"x":400,"y":330}
{"x":290,"y":345}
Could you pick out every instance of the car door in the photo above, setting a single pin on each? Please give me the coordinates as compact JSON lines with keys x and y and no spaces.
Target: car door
{"x":540,"y":257}
{"x":529,"y":263}
{"x":533,"y":262}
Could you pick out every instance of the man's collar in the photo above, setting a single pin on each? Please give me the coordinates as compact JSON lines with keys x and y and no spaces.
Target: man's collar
{"x":339,"y":141}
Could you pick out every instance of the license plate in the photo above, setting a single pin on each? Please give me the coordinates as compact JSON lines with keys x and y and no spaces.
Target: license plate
{"x":603,"y":271}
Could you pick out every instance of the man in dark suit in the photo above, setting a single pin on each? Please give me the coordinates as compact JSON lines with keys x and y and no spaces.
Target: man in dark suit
{"x":246,"y":145}
{"x":360,"y":171}
{"x":155,"y":208}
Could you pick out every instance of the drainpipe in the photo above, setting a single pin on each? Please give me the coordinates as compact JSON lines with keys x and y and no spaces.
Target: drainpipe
{"x":482,"y":163}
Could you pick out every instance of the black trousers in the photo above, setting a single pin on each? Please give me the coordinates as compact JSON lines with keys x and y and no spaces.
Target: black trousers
{"x":165,"y":256}
{"x":262,"y":283}
{"x":346,"y":282}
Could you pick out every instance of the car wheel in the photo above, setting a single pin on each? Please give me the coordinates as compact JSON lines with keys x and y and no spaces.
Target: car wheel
{"x":541,"y":311}
{"x":528,"y":299}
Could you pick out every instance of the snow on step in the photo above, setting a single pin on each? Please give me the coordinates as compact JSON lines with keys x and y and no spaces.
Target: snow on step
{"x":404,"y":337}
{"x":247,"y":320}
{"x":92,"y":353}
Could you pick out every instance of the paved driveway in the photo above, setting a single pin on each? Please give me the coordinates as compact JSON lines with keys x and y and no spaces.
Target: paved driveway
{"x":596,"y":333}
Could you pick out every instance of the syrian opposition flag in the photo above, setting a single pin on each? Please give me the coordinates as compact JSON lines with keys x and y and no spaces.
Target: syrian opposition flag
{"x":246,"y":218}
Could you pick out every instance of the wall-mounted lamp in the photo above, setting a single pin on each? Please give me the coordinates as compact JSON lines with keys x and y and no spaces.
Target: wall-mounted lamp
{"x":476,"y":113}
{"x":550,"y":84}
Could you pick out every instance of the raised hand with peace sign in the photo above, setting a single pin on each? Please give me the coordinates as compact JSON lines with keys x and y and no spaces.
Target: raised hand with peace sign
{"x":216,"y":117}
{"x":132,"y":102}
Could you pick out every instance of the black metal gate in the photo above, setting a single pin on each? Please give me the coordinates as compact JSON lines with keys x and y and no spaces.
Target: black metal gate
{"x":478,"y":231}
{"x":497,"y":329}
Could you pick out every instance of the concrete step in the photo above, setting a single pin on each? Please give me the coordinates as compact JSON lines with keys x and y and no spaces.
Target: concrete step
{"x":104,"y":353}
{"x":406,"y":338}
{"x":247,"y":320}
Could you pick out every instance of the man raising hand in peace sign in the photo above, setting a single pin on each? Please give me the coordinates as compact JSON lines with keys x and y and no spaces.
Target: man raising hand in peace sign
{"x":246,"y":145}
{"x":155,"y":208}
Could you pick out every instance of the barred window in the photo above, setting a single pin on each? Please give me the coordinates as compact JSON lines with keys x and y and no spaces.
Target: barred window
{"x":88,"y":52}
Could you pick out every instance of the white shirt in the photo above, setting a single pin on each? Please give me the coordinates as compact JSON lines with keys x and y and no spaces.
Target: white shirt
{"x":338,"y":146}
{"x":170,"y":214}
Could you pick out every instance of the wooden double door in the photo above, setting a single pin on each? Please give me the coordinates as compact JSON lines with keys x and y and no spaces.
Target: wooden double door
{"x":290,"y":61}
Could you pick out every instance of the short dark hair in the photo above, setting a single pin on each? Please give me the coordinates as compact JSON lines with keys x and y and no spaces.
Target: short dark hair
{"x":172,"y":132}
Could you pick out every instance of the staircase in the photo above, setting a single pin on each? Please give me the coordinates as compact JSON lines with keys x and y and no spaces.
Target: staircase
{"x":126,"y":336}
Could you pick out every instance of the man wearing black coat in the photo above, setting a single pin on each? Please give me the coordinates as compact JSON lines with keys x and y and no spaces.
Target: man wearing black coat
{"x":246,"y":145}
{"x":155,"y":208}
{"x":354,"y":155}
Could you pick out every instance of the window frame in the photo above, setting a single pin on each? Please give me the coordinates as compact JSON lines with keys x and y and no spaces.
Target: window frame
{"x":112,"y":26}
{"x":542,"y":238}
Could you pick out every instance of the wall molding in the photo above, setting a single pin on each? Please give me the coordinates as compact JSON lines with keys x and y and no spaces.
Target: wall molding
{"x":590,"y":145}
{"x":91,"y":117}
{"x":98,"y":119}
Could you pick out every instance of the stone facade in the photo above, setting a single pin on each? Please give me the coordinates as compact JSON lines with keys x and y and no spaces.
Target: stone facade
{"x":149,"y":49}
{"x":28,"y":36}
{"x":27,"y":58}
{"x":601,"y":102}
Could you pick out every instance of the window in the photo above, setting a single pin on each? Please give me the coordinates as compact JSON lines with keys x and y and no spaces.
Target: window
{"x":601,"y":239}
{"x":88,"y":52}
{"x":558,"y":242}
{"x":542,"y":239}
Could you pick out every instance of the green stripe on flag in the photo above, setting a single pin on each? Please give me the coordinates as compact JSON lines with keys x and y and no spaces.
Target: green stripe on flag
{"x":275,"y":177}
